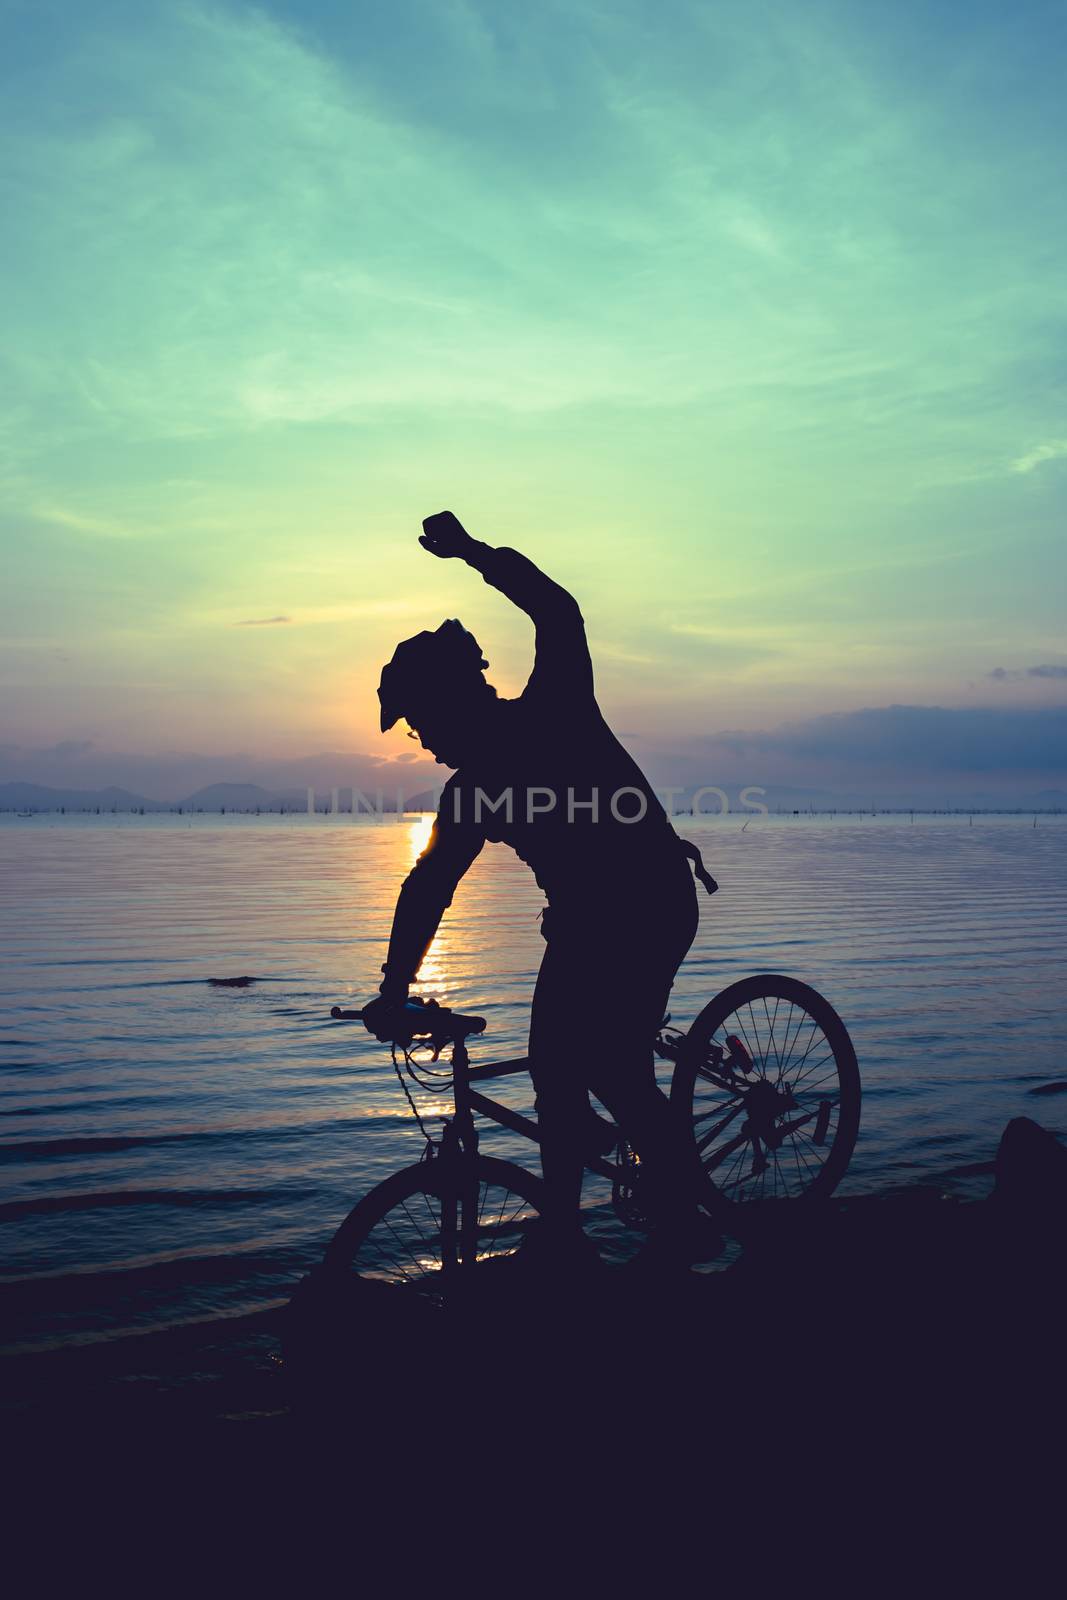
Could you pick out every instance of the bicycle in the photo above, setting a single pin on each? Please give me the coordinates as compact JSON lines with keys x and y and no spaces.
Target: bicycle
{"x":766,"y":1079}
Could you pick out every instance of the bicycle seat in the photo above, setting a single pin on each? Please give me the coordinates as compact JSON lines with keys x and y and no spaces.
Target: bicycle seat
{"x":425,"y":1020}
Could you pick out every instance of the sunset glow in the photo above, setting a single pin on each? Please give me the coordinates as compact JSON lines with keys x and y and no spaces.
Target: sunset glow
{"x":741,"y":320}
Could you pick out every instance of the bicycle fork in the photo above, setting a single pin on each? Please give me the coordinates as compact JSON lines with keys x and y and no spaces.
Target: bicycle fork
{"x":459,"y":1203}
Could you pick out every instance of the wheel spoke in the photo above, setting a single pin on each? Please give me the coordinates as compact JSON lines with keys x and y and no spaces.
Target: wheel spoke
{"x":719,"y":1127}
{"x":758,"y":1140}
{"x":748,"y":1043}
{"x":714,"y":1112}
{"x":816,"y":1032}
{"x":802,"y":1017}
{"x":405,"y":1245}
{"x":814,"y":1067}
{"x":770,"y":1029}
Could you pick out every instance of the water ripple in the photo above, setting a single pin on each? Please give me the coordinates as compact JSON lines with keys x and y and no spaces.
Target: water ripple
{"x":194,"y":1146}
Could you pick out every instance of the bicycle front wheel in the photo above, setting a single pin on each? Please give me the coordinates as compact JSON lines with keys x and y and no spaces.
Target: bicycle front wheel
{"x":429,"y":1228}
{"x":768,"y":1082}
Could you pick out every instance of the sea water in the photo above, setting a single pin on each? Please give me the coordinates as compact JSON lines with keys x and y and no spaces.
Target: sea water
{"x":173,"y":1152}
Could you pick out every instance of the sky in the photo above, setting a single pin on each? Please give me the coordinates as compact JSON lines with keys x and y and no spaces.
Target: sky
{"x":746,"y":321}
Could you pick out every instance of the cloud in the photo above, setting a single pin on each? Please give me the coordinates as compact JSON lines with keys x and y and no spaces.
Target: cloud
{"x":916,"y":740}
{"x":1050,"y":451}
{"x":729,"y":277}
{"x":893,"y":745}
{"x":376,"y":263}
{"x":484,"y":247}
{"x":168,"y":775}
{"x":261,"y":622}
{"x":1014,"y":674}
{"x":70,"y":747}
{"x":68,"y":517}
{"x":64,"y":751}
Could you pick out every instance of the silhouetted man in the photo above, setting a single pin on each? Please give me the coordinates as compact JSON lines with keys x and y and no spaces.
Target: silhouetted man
{"x":545,"y":774}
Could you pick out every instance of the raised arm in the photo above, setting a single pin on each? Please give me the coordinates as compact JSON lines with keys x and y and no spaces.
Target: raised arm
{"x":561,"y":651}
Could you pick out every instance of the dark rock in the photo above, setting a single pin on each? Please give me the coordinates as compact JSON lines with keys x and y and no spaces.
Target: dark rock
{"x":1031,"y":1168}
{"x":231,"y":983}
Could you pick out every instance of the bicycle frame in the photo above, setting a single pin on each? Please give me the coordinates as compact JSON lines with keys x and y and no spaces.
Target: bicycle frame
{"x":468,"y":1101}
{"x":758,"y":1102}
{"x":459,"y":1141}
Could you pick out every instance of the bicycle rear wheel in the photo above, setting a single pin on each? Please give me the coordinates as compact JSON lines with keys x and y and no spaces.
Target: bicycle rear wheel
{"x":430,"y":1229}
{"x":768,"y":1082}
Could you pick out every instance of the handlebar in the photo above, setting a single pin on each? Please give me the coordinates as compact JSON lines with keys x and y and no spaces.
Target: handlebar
{"x":424,"y":1021}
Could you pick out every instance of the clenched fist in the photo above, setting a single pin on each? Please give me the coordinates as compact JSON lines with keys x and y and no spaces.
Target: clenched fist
{"x":444,"y":535}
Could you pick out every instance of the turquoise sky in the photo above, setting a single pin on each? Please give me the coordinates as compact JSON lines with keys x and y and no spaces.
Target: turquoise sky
{"x":747,"y":321}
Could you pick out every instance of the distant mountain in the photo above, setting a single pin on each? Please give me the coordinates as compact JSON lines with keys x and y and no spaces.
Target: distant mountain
{"x":216,"y":797}
{"x":38,"y":797}
{"x":237,"y":797}
{"x":250,"y":797}
{"x":788,"y":798}
{"x":428,"y":800}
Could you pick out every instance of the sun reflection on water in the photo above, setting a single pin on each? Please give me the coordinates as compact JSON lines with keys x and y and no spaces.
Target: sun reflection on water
{"x":419,"y":834}
{"x":435,"y":980}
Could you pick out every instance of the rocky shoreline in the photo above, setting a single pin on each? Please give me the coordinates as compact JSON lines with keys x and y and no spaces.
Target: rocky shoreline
{"x":836,"y":1317}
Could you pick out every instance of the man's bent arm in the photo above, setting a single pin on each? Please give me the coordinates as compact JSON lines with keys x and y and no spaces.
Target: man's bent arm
{"x":524,"y":584}
{"x":424,"y":897}
{"x":562,"y":654}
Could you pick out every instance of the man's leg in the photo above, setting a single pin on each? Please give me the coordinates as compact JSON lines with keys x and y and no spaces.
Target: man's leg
{"x":600,"y":996}
{"x":671,"y":1172}
{"x":623,"y":1073}
{"x":562,"y":1099}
